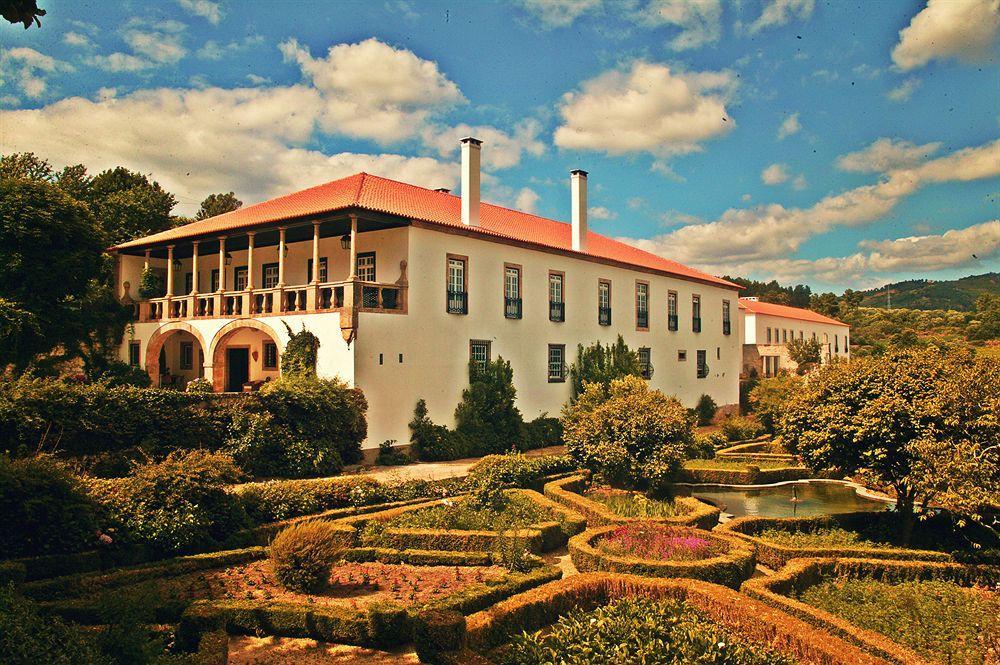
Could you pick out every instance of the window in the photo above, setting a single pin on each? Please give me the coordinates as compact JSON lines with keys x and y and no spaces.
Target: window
{"x":557,"y":308}
{"x":702,"y":364}
{"x":726,"y":323}
{"x":814,"y":337}
{"x":133,"y":352}
{"x":696,"y":313}
{"x":269,"y":275}
{"x":801,"y":335}
{"x":366,"y":267}
{"x":645,"y":362}
{"x":682,"y":356}
{"x":784,"y":336}
{"x":642,"y":305}
{"x":770,"y":365}
{"x":270,"y":355}
{"x":512,"y":291}
{"x":187,"y":355}
{"x":215,"y":280}
{"x":671,"y":310}
{"x":479,"y":352}
{"x":836,"y":343}
{"x":604,"y":302}
{"x":240,"y":278}
{"x":188,"y":282}
{"x":557,"y":363}
{"x":458,"y":298}
{"x":323,"y":274}
{"x":768,"y":335}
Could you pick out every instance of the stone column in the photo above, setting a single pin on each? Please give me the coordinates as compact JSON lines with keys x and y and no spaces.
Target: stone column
{"x":222,"y":263}
{"x":194,"y":267}
{"x":250,"y":236}
{"x":354,"y":248}
{"x":281,"y":256}
{"x":170,"y":270}
{"x":315,"y":270}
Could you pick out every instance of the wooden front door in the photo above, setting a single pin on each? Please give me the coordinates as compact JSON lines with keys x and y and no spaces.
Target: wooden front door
{"x":237,"y":369}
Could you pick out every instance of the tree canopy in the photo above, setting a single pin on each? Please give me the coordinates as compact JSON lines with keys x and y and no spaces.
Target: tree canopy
{"x":216,"y":204}
{"x":602,"y":364}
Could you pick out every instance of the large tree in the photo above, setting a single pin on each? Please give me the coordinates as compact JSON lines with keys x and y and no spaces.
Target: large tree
{"x":216,"y":204}
{"x":924,"y":422}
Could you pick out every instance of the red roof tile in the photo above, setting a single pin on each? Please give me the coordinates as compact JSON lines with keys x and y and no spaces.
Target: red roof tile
{"x":379,"y":194}
{"x":770,"y":309}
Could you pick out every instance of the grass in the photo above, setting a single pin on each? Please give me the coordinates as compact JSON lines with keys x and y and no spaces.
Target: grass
{"x":518,"y":511}
{"x":633,"y":504}
{"x":824,"y":537}
{"x":939,"y":620}
{"x":637,"y":631}
{"x":728,"y":465}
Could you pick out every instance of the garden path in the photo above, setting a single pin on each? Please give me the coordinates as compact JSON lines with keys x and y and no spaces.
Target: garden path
{"x":439,"y":470}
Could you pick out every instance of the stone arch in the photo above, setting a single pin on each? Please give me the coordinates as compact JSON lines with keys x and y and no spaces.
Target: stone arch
{"x":218,"y":353}
{"x":160,"y":336}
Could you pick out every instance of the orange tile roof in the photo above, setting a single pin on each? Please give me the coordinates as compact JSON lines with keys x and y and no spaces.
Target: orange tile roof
{"x":770,"y":309}
{"x":377,"y":194}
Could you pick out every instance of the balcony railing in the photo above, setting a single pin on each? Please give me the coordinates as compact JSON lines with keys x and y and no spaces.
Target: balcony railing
{"x":671,"y":322}
{"x":557,"y":311}
{"x":512,"y":308}
{"x":604,"y":316}
{"x":696,"y":324}
{"x":642,"y":318}
{"x":458,"y":302}
{"x":331,"y":296}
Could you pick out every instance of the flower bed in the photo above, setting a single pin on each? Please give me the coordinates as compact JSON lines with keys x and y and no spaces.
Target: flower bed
{"x":539,"y":524}
{"x":890,"y":600}
{"x":443,"y":637}
{"x":869,"y":526}
{"x":571,"y":492}
{"x":723,"y":471}
{"x":657,"y":550}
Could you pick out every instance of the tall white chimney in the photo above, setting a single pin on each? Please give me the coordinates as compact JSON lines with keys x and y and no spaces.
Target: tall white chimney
{"x":578,"y":182}
{"x":470,"y":181}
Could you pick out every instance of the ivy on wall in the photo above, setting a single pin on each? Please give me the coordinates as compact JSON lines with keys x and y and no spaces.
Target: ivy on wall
{"x":299,"y":358}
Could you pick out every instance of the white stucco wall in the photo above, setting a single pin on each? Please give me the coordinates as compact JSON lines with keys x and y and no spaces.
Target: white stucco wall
{"x":835,"y":339}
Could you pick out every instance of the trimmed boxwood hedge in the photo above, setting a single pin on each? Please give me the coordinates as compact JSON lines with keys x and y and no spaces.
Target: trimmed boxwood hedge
{"x":751,"y":475}
{"x":440,"y":639}
{"x":800,"y":574}
{"x":775,"y":555}
{"x":730,"y":569}
{"x":569,"y":492}
{"x":541,"y":537}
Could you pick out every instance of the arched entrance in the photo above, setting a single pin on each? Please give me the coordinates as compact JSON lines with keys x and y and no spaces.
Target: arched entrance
{"x":244,"y":353}
{"x":175,"y":355}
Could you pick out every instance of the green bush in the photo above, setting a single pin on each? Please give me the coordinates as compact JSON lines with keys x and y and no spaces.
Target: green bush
{"x":116,"y":373}
{"x":602,"y":364}
{"x":435,"y":443}
{"x":177,"y":505}
{"x":44,"y":509}
{"x":741,"y":428}
{"x":628,"y":433}
{"x":389,"y":455}
{"x":516,"y":470}
{"x":277,"y":500}
{"x":28,"y":638}
{"x":303,"y":554}
{"x":200,"y":385}
{"x":300,"y":354}
{"x":703,"y":446}
{"x":771,"y":396}
{"x":486,"y":416}
{"x":705,"y":409}
{"x":541,"y":432}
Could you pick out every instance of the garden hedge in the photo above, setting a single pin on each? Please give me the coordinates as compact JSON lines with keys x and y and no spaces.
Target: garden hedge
{"x":541,"y":537}
{"x":761,"y":445}
{"x":569,"y":492}
{"x":775,"y":556}
{"x":440,"y":639}
{"x":751,"y":475}
{"x":729,"y":569}
{"x":800,"y":574}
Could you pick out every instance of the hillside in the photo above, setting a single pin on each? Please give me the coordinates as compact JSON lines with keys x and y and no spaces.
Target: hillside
{"x":958,"y":294}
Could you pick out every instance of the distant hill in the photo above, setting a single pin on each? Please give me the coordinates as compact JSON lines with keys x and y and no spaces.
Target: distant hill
{"x":958,"y":294}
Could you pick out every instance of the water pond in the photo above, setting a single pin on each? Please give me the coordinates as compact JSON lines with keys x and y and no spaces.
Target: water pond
{"x":797,"y":499}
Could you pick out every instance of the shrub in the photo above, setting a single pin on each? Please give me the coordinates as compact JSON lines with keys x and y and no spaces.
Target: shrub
{"x":201,"y":385}
{"x":516,"y":470}
{"x":435,"y":443}
{"x":116,"y":373}
{"x":150,"y":285}
{"x":629,"y":433}
{"x":741,"y":428}
{"x":805,"y":353}
{"x":602,"y":364}
{"x":703,"y":446}
{"x":301,"y":351}
{"x":177,"y":505}
{"x":486,"y":416}
{"x":542,"y":432}
{"x":771,"y":396}
{"x":389,"y":455}
{"x":705,"y":409}
{"x":303,"y":554}
{"x":27,"y":638}
{"x":44,"y":509}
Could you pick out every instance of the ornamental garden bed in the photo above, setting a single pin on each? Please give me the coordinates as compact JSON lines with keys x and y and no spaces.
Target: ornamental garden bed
{"x":605,"y":506}
{"x":864,"y":534}
{"x":658,"y":550}
{"x":907,"y":612}
{"x":525,"y":520}
{"x":723,"y":471}
{"x":598,"y":617}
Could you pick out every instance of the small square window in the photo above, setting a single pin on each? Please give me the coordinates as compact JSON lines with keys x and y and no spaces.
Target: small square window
{"x":645,"y":362}
{"x":479,"y":352}
{"x":682,"y":356}
{"x":557,"y":363}
{"x":270,"y":355}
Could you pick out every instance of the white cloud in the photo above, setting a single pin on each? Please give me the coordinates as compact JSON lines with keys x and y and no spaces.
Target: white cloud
{"x":949,"y":29}
{"x":600,"y":212}
{"x":559,"y":13}
{"x":779,"y":12}
{"x":159,"y":46}
{"x":700,"y":21}
{"x":775,"y":174}
{"x":119,"y":62}
{"x":257,"y":80}
{"x":30,"y":69}
{"x":527,"y":200}
{"x":646,"y":108}
{"x":213,"y":50}
{"x":903,"y":91}
{"x":789,"y":126}
{"x":934,"y":252}
{"x":799,"y":183}
{"x":76,"y":39}
{"x":887,"y":154}
{"x":210,"y":11}
{"x":372,"y":90}
{"x":501,"y":150}
{"x":152,"y":43}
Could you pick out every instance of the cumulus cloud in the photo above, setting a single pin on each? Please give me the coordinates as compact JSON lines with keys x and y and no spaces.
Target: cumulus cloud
{"x":30,"y":69}
{"x":600,"y":212}
{"x":699,"y":21}
{"x":780,"y":12}
{"x":775,"y":174}
{"x":213,"y":50}
{"x":208,"y":10}
{"x":152,"y":44}
{"x":527,"y":200}
{"x":903,"y":91}
{"x":886,"y":154}
{"x":72,"y":38}
{"x":559,"y":13}
{"x":372,"y":90}
{"x":965,"y":30}
{"x":501,"y":150}
{"x":646,"y":107}
{"x":789,"y":126}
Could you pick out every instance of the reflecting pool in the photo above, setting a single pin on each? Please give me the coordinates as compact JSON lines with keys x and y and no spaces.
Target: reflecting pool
{"x":798,"y":499}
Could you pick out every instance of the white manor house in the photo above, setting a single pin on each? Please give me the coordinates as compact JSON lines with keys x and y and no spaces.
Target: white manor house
{"x":404,"y":286}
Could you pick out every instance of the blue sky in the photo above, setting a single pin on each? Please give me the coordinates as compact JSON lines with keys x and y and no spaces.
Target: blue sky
{"x":820,"y":142}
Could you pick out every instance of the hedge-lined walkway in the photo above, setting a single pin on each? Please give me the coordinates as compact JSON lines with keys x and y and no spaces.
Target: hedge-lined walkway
{"x":439,"y":470}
